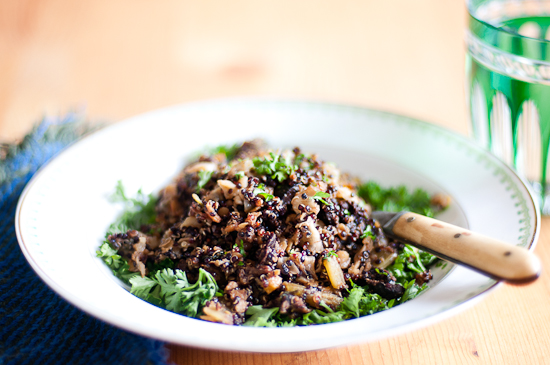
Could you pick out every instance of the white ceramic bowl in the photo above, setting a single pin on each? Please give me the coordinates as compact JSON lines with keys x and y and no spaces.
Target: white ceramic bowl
{"x":64,"y":212}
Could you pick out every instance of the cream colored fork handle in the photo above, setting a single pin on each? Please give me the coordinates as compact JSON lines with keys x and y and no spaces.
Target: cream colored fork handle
{"x":498,"y":259}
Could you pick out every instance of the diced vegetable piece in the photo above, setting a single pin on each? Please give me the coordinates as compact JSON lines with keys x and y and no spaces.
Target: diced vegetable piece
{"x":335,"y":273}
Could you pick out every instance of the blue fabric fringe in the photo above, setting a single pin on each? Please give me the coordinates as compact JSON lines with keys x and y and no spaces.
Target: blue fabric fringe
{"x":36,"y":325}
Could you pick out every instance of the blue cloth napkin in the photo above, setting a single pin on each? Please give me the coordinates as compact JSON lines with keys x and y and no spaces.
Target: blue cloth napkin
{"x":36,"y":325}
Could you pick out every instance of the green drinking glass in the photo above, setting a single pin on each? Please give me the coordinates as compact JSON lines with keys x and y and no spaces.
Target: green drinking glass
{"x":508,"y":85}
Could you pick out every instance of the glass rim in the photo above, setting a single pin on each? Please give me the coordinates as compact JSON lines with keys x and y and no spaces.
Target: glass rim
{"x":472,"y":11}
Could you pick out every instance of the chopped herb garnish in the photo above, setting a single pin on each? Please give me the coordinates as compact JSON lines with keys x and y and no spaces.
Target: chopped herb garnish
{"x":204,"y":178}
{"x":368,"y":233}
{"x":320,"y":195}
{"x":266,"y":196}
{"x":240,"y":246}
{"x":239,"y":175}
{"x":260,"y":190}
{"x":330,"y":253}
{"x":298,"y":160}
{"x":274,"y":167}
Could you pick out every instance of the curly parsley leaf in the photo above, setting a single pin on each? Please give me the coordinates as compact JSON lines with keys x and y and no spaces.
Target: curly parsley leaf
{"x":138,"y":211}
{"x":350,"y":304}
{"x":360,"y":302}
{"x":410,"y":262}
{"x":172,"y":290}
{"x":116,"y":263}
{"x":141,"y":287}
{"x":110,"y":256}
{"x":318,"y":316}
{"x":372,"y":303}
{"x":396,"y":199}
{"x":411,"y":290}
{"x":260,"y":317}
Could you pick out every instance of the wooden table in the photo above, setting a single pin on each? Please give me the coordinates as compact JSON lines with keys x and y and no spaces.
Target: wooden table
{"x":117,"y":58}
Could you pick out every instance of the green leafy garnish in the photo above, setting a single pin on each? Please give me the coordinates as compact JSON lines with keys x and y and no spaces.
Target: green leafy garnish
{"x":298,"y":160}
{"x":118,"y":265}
{"x":260,"y":190}
{"x":241,"y":248}
{"x":275,"y":168}
{"x":358,"y":303}
{"x":318,"y":316}
{"x":260,"y":317}
{"x":138,"y":211}
{"x":396,"y":199}
{"x":351,"y":303}
{"x":330,"y":253}
{"x":409,"y":263}
{"x":204,"y":178}
{"x":411,"y":291}
{"x":228,"y":151}
{"x":320,"y":195}
{"x":239,"y":175}
{"x":172,"y":290}
{"x":368,"y":233}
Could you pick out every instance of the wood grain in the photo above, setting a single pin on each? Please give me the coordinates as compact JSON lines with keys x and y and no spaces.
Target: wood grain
{"x":117,"y":58}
